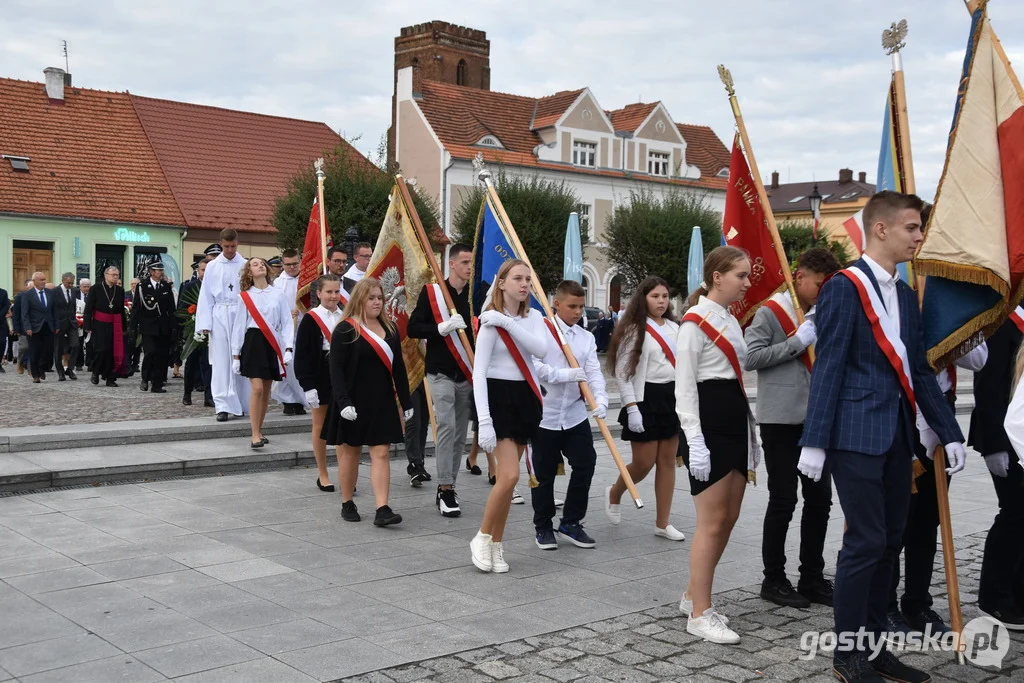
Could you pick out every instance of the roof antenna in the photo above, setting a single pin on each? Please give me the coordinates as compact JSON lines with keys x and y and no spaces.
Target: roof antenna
{"x":67,"y":68}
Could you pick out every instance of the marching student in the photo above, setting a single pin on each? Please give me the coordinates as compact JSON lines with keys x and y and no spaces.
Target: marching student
{"x":720,"y":433}
{"x":312,"y":366}
{"x":448,"y":372}
{"x":261,"y":340}
{"x":870,"y":379}
{"x":367,"y":376}
{"x":287,"y":392}
{"x":564,"y":426}
{"x":642,"y":356}
{"x":507,"y":396}
{"x":777,"y":349}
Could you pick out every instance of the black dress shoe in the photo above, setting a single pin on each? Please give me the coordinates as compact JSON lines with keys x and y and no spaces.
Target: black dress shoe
{"x":256,"y":444}
{"x":111,"y":382}
{"x":71,"y":374}
{"x":473,"y":469}
{"x":289,"y":409}
{"x":855,"y":668}
{"x":186,"y":400}
{"x":781,"y":592}
{"x":818,"y":591}
{"x":299,"y":410}
{"x":157,"y":390}
{"x":95,"y":378}
{"x":208,"y":404}
{"x":222,"y":417}
{"x":264,"y":440}
{"x":329,"y":488}
{"x":491,"y":480}
{"x":35,"y":380}
{"x":143,"y":385}
{"x":888,"y":667}
{"x":62,"y":378}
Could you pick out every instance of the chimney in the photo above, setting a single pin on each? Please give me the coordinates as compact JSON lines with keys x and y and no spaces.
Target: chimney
{"x":845,"y":175}
{"x":775,"y":180}
{"x":54,"y":83}
{"x":862,"y":177}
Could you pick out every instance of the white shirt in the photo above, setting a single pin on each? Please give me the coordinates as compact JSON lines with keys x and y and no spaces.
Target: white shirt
{"x":354,"y":274}
{"x":564,"y":406}
{"x":274,"y":309}
{"x":153,"y":282}
{"x":973,"y":361}
{"x":886,"y":283}
{"x":220,"y":286}
{"x":652,"y":358}
{"x":65,"y":293}
{"x":289,"y":287}
{"x":659,"y":369}
{"x":494,"y":361}
{"x":698,"y":359}
{"x":331,"y":319}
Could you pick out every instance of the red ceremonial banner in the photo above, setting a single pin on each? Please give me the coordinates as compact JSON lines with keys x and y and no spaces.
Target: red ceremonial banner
{"x":312,"y":257}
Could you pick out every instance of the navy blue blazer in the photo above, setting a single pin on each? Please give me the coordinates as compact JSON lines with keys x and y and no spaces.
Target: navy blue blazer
{"x":856,"y":394}
{"x":34,"y":315}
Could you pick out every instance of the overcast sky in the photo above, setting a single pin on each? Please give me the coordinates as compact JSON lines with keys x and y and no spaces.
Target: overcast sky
{"x":811,"y":75}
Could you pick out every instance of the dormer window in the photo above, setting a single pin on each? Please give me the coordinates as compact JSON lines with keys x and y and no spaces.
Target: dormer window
{"x":584,"y":153}
{"x":724,"y":173}
{"x":657,"y":163}
{"x":19,"y":164}
{"x":489,"y":141}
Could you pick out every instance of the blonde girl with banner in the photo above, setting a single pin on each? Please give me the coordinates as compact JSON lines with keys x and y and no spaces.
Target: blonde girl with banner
{"x":370,"y":397}
{"x":642,"y":358}
{"x":261,"y":340}
{"x":507,"y":397}
{"x":312,"y":367}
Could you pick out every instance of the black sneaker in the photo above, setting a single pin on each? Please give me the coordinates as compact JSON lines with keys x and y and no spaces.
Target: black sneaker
{"x":222,"y":417}
{"x":781,"y":592}
{"x":386,"y":517}
{"x":417,"y":475}
{"x":289,"y":409}
{"x":1012,"y":618}
{"x":299,"y":410}
{"x":575,"y":533}
{"x":888,"y":667}
{"x":817,"y":591}
{"x":546,"y":540}
{"x":349,"y":513}
{"x":928,"y":622}
{"x":855,"y":668}
{"x":448,"y":503}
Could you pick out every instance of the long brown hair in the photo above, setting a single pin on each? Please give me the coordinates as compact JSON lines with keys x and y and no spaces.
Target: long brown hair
{"x":245,"y":280}
{"x":633,"y":323}
{"x":719,"y":260}
{"x":498,"y":296}
{"x":356,"y":305}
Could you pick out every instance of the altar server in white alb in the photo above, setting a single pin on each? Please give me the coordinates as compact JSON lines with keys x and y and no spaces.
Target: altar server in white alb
{"x":287,"y":392}
{"x":218,"y":305}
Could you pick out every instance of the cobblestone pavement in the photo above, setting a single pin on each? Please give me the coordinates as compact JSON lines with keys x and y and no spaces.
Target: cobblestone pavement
{"x":653,"y":645}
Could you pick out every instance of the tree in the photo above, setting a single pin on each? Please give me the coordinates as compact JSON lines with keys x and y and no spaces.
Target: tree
{"x":539,"y":209}
{"x":797,"y":237}
{"x":355,"y":194}
{"x":651,"y":235}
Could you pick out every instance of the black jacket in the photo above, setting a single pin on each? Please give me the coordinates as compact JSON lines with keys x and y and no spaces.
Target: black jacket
{"x":153,"y":308}
{"x":992,"y":393}
{"x":312,"y":369}
{"x":439,"y":359}
{"x":33,"y":315}
{"x":63,"y":310}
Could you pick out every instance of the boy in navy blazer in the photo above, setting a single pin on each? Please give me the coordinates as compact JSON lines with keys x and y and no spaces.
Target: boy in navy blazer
{"x":870,"y":383}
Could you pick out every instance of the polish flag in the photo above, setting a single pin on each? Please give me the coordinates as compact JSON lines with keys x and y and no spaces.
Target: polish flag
{"x":855,"y":229}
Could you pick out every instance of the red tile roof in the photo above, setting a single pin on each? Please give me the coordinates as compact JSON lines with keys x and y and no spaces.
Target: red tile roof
{"x":227,"y":167}
{"x":704,"y":150}
{"x":631,"y":116}
{"x":89,"y":157}
{"x":550,"y":109}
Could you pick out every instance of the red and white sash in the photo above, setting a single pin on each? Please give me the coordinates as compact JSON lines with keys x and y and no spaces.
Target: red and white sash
{"x":1017,"y":316}
{"x":268,"y":333}
{"x":452,"y":341}
{"x":326,"y":329}
{"x":517,"y":356}
{"x":720,"y":340}
{"x":343,"y":293}
{"x":884,"y":330}
{"x":788,"y":326}
{"x":668,"y":347}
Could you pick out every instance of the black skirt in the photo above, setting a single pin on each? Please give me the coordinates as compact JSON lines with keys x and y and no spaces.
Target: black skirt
{"x":258,"y":358}
{"x":658,"y":410}
{"x":515,"y":410}
{"x":723,"y":422}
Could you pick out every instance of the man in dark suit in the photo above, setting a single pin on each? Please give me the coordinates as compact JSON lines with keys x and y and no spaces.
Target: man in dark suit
{"x":5,"y":308}
{"x":153,"y":317}
{"x":66,"y":332}
{"x":870,"y":376}
{"x":38,"y":323}
{"x":197,"y":365}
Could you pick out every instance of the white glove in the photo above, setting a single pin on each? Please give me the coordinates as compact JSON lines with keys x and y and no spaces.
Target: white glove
{"x":493,"y":318}
{"x":88,"y":337}
{"x":236,"y":366}
{"x":349,"y":413}
{"x":956,"y":455}
{"x":700,"y":458}
{"x":453,"y":324}
{"x":409,"y":413}
{"x":806,"y":333}
{"x":313,"y":398}
{"x":998,"y":463}
{"x":486,"y":437}
{"x":634,"y":420}
{"x":758,"y":454}
{"x":601,"y":411}
{"x":199,"y":337}
{"x":930,"y":441}
{"x":567,"y":375}
{"x":812,"y":462}
{"x":288,"y":356}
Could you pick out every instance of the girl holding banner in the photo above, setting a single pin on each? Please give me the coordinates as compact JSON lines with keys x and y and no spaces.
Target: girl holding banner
{"x":370,"y":401}
{"x":507,"y":397}
{"x":260,"y":340}
{"x":642,"y":358}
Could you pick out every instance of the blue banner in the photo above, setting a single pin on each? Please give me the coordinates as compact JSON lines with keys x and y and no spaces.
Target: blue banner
{"x":491,"y":248}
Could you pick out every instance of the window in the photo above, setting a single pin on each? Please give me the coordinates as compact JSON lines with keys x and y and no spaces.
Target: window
{"x":724,"y":173}
{"x":489,"y":141}
{"x":17,"y":163}
{"x":794,"y":200}
{"x":584,"y":153}
{"x":584,"y":210}
{"x":460,"y":73}
{"x":657,"y":163}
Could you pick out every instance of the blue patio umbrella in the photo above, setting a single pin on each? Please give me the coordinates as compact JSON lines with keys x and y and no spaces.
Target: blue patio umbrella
{"x":695,"y":264}
{"x":572,"y":268}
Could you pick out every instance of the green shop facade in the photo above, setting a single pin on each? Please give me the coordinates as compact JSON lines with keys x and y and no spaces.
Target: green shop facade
{"x":57,"y":245}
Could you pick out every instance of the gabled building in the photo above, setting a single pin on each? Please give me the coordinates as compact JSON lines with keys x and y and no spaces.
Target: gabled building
{"x":445,"y":114}
{"x":841,"y":199}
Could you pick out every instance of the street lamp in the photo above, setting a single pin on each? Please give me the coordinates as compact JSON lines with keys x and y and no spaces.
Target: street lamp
{"x":814,"y":199}
{"x":351,"y":237}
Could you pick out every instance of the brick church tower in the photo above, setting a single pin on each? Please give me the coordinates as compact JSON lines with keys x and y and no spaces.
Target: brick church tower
{"x":439,"y":51}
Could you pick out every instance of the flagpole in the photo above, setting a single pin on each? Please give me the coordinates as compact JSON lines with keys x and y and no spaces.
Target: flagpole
{"x":971,"y":6}
{"x":542,"y":298}
{"x":319,"y":166}
{"x":428,"y":251}
{"x":748,"y":151}
{"x":892,"y":41}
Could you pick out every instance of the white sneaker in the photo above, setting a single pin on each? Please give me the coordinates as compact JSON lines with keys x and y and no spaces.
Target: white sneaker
{"x":611,"y":511}
{"x":559,"y":502}
{"x":498,"y":563}
{"x":517,"y":499}
{"x":480,"y":547}
{"x":671,"y":533}
{"x":686,"y":607}
{"x":710,"y":627}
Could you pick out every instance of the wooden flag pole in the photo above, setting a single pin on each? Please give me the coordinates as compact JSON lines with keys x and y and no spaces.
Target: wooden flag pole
{"x":748,"y":151}
{"x":541,"y":296}
{"x":428,"y":251}
{"x":319,"y":166}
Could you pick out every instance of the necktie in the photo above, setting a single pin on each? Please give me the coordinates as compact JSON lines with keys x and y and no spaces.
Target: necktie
{"x":42,"y":297}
